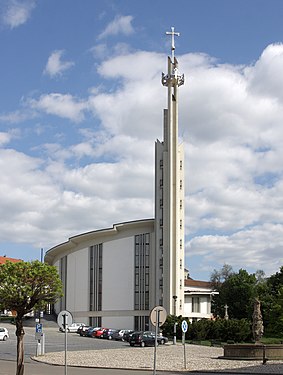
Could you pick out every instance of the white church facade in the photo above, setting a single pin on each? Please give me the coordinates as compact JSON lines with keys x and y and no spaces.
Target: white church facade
{"x":113,"y":277}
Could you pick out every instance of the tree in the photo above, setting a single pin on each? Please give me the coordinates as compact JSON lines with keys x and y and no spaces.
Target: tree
{"x":218,"y":277}
{"x":24,"y":287}
{"x":272,"y":304}
{"x":238,"y":292}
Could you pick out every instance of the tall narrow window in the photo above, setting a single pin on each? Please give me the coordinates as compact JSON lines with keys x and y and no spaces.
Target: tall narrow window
{"x":63,"y":276}
{"x":142,"y":249}
{"x":95,"y":278}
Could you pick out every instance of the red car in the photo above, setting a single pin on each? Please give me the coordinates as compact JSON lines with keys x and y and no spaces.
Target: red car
{"x":99,"y":332}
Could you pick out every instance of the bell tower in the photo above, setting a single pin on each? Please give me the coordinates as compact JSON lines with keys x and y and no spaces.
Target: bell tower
{"x":169,"y":198}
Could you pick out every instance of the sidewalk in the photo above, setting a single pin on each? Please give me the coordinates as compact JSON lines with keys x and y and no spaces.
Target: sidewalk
{"x":36,"y":368}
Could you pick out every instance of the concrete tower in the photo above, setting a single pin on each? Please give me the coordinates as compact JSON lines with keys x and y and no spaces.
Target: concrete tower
{"x":169,"y":198}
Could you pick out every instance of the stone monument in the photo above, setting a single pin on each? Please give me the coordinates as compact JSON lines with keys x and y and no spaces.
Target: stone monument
{"x":257,"y":322}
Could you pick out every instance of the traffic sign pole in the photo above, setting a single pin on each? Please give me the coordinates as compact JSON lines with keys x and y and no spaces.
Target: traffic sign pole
{"x":157,"y":316}
{"x":155,"y":344}
{"x":184,"y":329}
{"x":65,"y":327}
{"x":64,"y":319}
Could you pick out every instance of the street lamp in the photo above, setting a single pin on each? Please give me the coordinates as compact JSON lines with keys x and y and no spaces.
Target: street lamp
{"x":175,"y":299}
{"x":175,"y":323}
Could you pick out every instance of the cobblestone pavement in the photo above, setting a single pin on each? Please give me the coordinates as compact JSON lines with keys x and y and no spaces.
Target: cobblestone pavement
{"x":168,"y":358}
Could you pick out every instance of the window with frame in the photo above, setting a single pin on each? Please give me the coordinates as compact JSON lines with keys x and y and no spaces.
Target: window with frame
{"x":195,"y":304}
{"x":142,"y":250}
{"x":95,"y":278}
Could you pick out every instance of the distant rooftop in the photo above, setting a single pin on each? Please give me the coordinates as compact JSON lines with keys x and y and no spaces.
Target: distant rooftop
{"x":4,"y":259}
{"x":197,"y":283}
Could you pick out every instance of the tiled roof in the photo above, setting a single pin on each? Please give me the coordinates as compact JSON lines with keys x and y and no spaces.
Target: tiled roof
{"x":197,"y":283}
{"x":13,"y":260}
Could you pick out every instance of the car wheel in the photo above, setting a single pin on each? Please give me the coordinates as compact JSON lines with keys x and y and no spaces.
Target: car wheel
{"x":142,"y":344}
{"x":110,"y":337}
{"x":162,"y":342}
{"x":4,"y":338}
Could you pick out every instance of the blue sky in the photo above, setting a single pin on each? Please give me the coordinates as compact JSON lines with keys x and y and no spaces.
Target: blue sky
{"x":81,"y":105}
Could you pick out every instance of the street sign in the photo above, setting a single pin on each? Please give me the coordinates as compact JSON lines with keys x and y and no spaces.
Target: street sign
{"x":64,"y":317}
{"x":38,"y":328}
{"x":158,"y":316}
{"x":184,"y":326}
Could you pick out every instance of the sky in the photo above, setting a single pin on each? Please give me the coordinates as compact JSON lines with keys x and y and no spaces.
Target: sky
{"x":81,"y":105}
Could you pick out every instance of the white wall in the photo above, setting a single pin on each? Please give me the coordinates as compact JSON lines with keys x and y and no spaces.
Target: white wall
{"x":118,"y":275}
{"x":205,"y":307}
{"x":77,"y":281}
{"x":118,"y":322}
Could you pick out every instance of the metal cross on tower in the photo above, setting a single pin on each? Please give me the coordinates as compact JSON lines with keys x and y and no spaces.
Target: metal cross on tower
{"x":172,"y":33}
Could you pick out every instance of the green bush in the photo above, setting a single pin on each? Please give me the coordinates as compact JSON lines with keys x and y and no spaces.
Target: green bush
{"x":168,"y":326}
{"x":237,"y":330}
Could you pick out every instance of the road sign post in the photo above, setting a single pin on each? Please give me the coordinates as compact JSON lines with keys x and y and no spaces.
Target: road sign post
{"x":64,"y":320}
{"x":39,"y":336}
{"x":158,"y":317}
{"x":184,"y":330}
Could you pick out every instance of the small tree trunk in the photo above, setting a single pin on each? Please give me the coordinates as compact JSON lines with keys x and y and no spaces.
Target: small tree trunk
{"x":20,"y":346}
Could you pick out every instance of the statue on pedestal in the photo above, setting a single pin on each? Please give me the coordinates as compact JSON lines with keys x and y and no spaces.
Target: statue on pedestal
{"x":257,"y":322}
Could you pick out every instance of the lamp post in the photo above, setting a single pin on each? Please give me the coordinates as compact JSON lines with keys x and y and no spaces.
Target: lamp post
{"x":175,"y":323}
{"x":175,"y":299}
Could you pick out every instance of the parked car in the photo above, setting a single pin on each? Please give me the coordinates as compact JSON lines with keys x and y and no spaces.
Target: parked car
{"x":160,"y":338}
{"x":4,"y":334}
{"x":99,"y":332}
{"x":72,"y":327}
{"x":127,"y":335}
{"x":146,"y":338}
{"x":82,"y":329}
{"x":92,"y":333}
{"x":108,"y":333}
{"x":119,"y":334}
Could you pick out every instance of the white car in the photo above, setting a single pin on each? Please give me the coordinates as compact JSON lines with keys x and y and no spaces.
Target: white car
{"x":4,"y":334}
{"x":73,"y":327}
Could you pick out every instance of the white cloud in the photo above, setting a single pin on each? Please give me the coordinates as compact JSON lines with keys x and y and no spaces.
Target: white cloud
{"x":120,"y":25}
{"x":17,"y":13}
{"x":265,"y":78}
{"x":231,"y":125}
{"x":5,"y":138}
{"x":250,"y":248}
{"x":17,"y":116}
{"x":62,"y":105}
{"x":55,"y":66}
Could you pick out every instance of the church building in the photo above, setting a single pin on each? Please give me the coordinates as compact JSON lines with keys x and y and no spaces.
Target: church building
{"x":113,"y":277}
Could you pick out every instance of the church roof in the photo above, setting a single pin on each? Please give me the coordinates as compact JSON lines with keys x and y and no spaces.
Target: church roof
{"x":98,"y":236}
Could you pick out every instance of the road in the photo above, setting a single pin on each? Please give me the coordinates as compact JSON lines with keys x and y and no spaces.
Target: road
{"x":54,"y":342}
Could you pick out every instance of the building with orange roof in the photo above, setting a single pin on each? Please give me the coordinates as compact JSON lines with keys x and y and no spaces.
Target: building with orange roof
{"x":4,"y":259}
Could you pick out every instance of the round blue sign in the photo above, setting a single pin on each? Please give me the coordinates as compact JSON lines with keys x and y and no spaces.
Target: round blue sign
{"x":184,"y":326}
